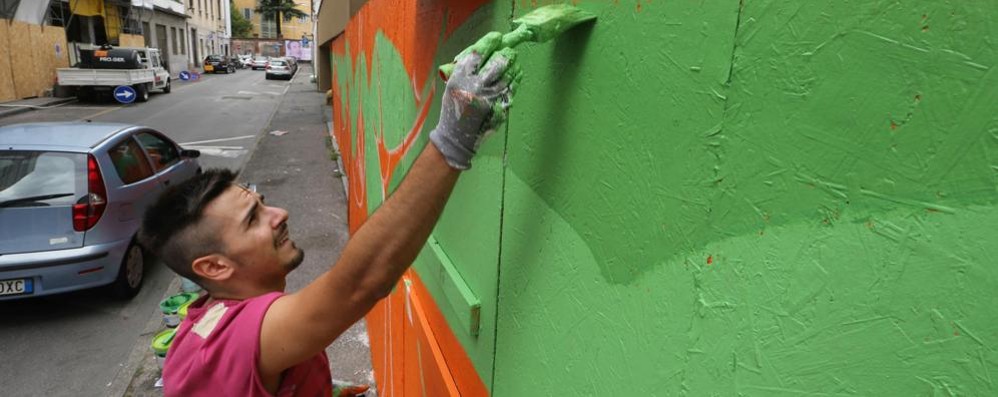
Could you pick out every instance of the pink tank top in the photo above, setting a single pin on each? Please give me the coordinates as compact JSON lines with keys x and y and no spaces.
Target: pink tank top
{"x":216,"y":350}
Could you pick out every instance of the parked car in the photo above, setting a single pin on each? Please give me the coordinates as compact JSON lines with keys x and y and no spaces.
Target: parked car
{"x":279,"y":67}
{"x":260,"y":62}
{"x":72,"y":197}
{"x":218,"y":63}
{"x":238,"y":63}
{"x":247,"y":60}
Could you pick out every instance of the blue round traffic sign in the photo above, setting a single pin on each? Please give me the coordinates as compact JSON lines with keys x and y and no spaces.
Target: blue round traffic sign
{"x":185,"y":75}
{"x":124,"y":94}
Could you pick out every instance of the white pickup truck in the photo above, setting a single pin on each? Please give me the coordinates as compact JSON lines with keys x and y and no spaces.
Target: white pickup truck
{"x":101,"y":70}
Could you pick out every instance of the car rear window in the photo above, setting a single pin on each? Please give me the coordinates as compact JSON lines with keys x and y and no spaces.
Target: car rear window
{"x":277,"y":63}
{"x":39,"y":178}
{"x":214,"y":58}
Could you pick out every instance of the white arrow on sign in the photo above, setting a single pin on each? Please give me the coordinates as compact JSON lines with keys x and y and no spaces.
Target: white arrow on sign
{"x":126,"y":94}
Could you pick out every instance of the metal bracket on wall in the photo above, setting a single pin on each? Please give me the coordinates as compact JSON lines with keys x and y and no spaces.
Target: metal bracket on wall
{"x":456,"y":291}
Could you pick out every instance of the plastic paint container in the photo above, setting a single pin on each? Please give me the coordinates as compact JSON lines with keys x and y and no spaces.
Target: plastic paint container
{"x":182,"y":311}
{"x":171,"y":305}
{"x":161,"y":344}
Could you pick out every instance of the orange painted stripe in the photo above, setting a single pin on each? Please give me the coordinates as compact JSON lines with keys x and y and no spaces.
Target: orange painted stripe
{"x":461,"y":369}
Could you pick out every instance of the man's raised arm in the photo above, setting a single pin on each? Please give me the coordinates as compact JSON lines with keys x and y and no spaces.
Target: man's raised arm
{"x":299,"y":325}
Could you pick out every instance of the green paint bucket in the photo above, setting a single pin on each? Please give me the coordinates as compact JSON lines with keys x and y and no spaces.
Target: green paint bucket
{"x":170,"y":307}
{"x":161,"y":344}
{"x":182,"y":311}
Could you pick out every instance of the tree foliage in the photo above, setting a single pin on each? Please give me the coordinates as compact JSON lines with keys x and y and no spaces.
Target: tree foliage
{"x":280,"y":10}
{"x":241,"y":27}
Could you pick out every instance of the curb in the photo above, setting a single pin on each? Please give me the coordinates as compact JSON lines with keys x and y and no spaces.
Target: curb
{"x":12,"y":108}
{"x":141,"y":351}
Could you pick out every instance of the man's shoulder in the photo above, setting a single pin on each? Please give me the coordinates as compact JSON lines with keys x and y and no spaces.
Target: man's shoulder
{"x":241,"y":315}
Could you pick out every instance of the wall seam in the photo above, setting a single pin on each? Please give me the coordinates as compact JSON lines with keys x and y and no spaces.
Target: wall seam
{"x":714,"y":145}
{"x":502,"y":217}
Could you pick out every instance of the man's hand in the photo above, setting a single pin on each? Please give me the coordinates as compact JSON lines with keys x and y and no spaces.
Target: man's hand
{"x":475,"y":102}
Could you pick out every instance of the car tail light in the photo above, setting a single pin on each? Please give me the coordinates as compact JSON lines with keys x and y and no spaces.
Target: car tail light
{"x":90,"y":208}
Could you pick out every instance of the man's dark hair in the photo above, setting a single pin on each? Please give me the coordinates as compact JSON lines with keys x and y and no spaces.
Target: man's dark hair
{"x":171,"y":228}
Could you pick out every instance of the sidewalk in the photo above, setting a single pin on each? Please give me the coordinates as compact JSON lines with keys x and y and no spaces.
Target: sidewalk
{"x":26,"y":105}
{"x":295,"y":172}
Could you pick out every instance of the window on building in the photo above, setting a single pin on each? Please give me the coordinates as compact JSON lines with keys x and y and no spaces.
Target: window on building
{"x":183,"y":42}
{"x":58,"y":14}
{"x":129,"y":20}
{"x":218,"y":7}
{"x":146,"y":34}
{"x":8,"y":8}
{"x":176,"y":44}
{"x":268,"y":27}
{"x":248,"y":13}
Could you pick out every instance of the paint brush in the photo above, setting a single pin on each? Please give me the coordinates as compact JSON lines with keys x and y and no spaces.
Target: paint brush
{"x":538,"y":26}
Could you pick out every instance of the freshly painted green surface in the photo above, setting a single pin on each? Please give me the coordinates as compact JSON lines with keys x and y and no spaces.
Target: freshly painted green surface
{"x":707,"y":198}
{"x":820,"y":222}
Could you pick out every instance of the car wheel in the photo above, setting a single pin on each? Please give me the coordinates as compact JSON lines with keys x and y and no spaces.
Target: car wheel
{"x":142,"y":92}
{"x":131,"y":273}
{"x":166,"y":90}
{"x":84,"y":94}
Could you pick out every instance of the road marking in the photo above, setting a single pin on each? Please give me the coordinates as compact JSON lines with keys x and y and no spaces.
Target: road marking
{"x":248,"y":93}
{"x":101,"y":113}
{"x":218,"y":140}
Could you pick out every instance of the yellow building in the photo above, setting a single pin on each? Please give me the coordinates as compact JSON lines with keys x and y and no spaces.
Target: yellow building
{"x":266,"y":28}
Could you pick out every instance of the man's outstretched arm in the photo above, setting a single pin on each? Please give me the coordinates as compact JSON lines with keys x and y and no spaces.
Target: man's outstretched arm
{"x":302,"y":324}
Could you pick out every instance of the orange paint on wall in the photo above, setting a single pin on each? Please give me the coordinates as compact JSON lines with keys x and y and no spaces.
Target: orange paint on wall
{"x":414,"y":29}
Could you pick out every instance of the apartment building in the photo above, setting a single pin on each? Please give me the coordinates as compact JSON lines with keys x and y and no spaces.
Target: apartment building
{"x":208,"y":28}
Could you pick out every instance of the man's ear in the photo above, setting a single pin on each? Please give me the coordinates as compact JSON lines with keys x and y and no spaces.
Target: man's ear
{"x":214,"y":268}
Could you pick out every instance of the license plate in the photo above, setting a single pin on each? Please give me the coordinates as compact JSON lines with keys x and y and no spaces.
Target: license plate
{"x":16,"y":286}
{"x":208,"y":68}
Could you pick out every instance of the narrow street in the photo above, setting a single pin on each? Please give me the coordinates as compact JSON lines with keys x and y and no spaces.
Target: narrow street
{"x":74,"y":344}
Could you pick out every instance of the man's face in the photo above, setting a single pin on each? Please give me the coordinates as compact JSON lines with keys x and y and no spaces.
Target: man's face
{"x":255,"y":236}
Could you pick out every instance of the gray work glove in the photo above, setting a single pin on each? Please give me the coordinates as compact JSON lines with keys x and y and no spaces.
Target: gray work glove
{"x":475,"y":103}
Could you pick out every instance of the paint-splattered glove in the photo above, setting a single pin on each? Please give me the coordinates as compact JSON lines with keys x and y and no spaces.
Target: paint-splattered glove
{"x":475,"y":102}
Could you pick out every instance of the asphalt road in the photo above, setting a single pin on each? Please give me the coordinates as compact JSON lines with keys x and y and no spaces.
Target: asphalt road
{"x":75,"y":344}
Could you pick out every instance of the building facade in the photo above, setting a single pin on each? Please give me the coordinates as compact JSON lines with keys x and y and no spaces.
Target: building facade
{"x":164,"y":26}
{"x":208,"y":29}
{"x":265,"y":27}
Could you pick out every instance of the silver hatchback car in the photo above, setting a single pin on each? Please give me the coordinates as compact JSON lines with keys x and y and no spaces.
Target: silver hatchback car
{"x":72,"y":197}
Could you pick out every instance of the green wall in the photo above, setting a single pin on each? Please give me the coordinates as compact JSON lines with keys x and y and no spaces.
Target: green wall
{"x":714,"y":198}
{"x":782,"y":198}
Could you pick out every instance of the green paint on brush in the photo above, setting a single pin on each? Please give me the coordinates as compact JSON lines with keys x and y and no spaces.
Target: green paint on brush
{"x":538,"y":26}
